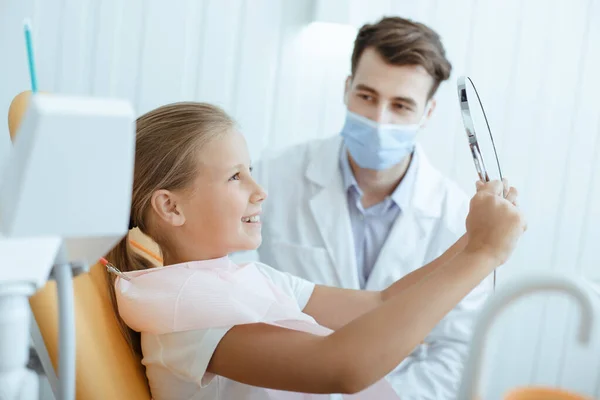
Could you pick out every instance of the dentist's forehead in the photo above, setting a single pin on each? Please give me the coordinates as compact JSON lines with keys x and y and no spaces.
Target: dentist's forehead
{"x":392,"y":80}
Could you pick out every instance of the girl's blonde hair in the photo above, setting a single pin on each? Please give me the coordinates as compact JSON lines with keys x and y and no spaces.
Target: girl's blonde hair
{"x":166,"y":157}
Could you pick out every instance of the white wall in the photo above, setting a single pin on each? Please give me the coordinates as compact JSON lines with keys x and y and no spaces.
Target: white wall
{"x":535,"y":64}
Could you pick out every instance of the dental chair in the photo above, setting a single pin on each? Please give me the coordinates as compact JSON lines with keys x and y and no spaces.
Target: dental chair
{"x":106,"y":367}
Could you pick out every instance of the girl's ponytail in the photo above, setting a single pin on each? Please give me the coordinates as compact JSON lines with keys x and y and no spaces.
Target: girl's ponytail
{"x":124,"y":258}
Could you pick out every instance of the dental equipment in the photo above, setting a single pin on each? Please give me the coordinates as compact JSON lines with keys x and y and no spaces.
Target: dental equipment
{"x":469,"y":388}
{"x":52,"y":214}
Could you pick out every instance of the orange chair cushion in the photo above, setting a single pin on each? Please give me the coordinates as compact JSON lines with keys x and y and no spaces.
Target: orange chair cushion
{"x":106,"y":368}
{"x":542,"y":393}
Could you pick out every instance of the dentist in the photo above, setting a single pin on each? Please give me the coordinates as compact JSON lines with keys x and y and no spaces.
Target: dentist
{"x":364,"y":208}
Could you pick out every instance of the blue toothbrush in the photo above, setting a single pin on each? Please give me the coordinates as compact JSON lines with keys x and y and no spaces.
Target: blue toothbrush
{"x":29,"y":44}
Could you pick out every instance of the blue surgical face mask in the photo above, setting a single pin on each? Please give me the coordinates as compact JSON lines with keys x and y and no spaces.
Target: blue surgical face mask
{"x":379,"y":146}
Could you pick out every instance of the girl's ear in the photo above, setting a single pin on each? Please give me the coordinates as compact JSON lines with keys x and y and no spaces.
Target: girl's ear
{"x":165,"y":204}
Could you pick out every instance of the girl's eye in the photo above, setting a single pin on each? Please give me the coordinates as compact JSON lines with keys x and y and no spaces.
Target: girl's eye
{"x":235,"y":177}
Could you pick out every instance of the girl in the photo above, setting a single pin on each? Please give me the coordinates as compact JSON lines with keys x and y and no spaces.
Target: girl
{"x":209,"y":329}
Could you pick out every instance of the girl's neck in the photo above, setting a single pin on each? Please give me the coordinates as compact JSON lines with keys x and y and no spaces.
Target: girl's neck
{"x":180,"y":246}
{"x":174,"y":258}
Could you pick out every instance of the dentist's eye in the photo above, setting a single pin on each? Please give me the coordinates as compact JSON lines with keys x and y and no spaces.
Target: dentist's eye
{"x":401,"y":106}
{"x":235,"y":177}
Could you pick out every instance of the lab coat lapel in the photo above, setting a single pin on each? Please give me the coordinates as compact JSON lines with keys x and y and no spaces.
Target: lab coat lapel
{"x":330,"y":210}
{"x":406,"y":244}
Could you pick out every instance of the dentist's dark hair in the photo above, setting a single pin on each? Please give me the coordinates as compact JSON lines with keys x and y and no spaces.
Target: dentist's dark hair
{"x":401,"y":41}
{"x":168,"y":140}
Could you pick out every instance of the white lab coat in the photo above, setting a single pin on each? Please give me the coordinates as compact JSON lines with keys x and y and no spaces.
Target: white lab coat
{"x":307,"y":232}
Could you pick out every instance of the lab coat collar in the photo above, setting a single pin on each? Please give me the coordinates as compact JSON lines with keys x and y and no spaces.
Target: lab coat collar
{"x":401,"y":195}
{"x":329,"y":207}
{"x":426,"y":199}
{"x":324,"y":168}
